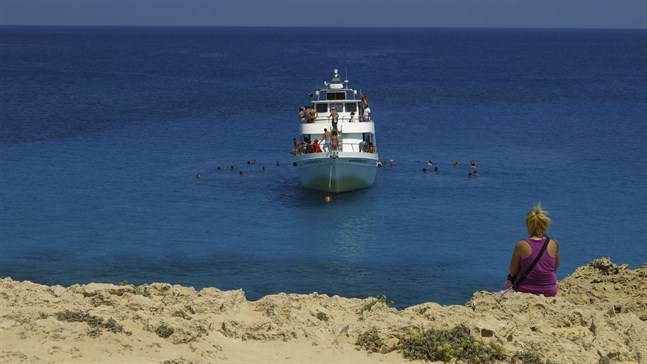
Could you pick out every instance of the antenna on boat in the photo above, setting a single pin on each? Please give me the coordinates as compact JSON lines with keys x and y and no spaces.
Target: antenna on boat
{"x":346,"y":80}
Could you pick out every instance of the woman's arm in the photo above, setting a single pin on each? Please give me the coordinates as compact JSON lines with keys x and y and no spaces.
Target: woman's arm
{"x":556,"y":256}
{"x":516,"y":258}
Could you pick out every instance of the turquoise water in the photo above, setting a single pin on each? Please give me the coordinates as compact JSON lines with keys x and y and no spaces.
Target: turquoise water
{"x":103,"y":131}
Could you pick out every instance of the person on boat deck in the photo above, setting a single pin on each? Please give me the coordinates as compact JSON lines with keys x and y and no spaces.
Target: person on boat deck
{"x":311,"y":115}
{"x":335,"y":118}
{"x":315,"y":147}
{"x":542,"y":278}
{"x":302,"y":116}
{"x":352,"y":117}
{"x":297,"y":146}
{"x":367,"y":114}
{"x":327,"y":142}
{"x":340,"y":138}
{"x":335,"y":140}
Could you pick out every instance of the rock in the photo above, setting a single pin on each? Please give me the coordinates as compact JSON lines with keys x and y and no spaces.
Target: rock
{"x":601,"y":322}
{"x":58,"y":291}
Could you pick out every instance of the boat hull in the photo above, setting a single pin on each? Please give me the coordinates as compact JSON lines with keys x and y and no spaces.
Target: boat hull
{"x":341,"y":172}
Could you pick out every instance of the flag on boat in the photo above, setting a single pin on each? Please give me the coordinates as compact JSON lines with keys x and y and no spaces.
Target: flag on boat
{"x":363,"y":99}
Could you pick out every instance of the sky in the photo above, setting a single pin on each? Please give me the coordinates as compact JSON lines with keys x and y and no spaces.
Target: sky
{"x":331,"y":13}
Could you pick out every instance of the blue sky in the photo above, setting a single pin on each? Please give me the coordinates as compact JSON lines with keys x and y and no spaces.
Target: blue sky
{"x":381,"y":13}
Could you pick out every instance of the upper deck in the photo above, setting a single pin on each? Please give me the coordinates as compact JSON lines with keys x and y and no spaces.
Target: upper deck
{"x":345,"y":101}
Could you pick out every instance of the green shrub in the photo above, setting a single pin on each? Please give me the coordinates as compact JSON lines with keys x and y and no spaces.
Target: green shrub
{"x":381,"y":299}
{"x":142,"y":291}
{"x":164,"y":331}
{"x":96,"y":323}
{"x":139,"y":290}
{"x":384,"y":300}
{"x":447,"y":345}
{"x":371,"y":341}
{"x":526,"y":357}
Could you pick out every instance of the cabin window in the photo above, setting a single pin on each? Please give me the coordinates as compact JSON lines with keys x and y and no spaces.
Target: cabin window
{"x":321,"y":107}
{"x":351,"y":107}
{"x":336,"y":96}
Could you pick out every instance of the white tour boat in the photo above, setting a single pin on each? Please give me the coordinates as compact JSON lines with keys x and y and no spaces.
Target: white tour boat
{"x":348,"y":160}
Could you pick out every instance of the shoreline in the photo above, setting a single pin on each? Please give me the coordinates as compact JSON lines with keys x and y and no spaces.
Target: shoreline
{"x":598,"y":316}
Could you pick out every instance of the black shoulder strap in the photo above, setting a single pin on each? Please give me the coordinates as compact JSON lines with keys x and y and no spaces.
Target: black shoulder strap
{"x":522,"y":277}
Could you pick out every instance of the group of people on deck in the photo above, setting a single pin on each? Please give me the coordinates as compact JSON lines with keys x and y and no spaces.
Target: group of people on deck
{"x":331,"y":141}
{"x":308,"y":114}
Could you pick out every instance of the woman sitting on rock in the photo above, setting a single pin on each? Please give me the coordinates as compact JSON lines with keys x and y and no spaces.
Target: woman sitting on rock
{"x":541,"y":279}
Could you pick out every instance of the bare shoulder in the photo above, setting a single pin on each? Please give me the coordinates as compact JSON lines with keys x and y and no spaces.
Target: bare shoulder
{"x":523,"y":249}
{"x":522,"y":244}
{"x":555,"y":243}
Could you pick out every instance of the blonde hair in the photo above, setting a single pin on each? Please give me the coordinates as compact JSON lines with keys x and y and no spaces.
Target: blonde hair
{"x":537,"y":221}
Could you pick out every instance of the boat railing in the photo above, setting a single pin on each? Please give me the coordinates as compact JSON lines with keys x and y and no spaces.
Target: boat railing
{"x":343,"y":147}
{"x":325,"y":119}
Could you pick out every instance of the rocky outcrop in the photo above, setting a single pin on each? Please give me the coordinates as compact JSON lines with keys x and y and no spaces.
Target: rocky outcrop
{"x":599,"y":316}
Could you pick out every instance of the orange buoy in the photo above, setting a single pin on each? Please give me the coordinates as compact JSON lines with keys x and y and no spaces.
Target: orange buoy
{"x":328,"y":199}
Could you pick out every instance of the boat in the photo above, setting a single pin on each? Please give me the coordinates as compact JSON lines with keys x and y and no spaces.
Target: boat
{"x":336,"y":150}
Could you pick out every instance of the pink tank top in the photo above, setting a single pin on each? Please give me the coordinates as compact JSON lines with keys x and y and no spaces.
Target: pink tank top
{"x":541,"y":280}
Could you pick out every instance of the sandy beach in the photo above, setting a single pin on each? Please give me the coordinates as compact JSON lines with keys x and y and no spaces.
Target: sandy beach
{"x":599,"y":316}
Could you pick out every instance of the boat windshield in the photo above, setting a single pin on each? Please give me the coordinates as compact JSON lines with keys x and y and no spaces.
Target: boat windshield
{"x":337,"y":105}
{"x":329,"y":95}
{"x":321,"y":107}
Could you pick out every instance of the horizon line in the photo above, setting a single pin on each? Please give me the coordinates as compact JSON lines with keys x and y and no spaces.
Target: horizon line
{"x":313,"y":27}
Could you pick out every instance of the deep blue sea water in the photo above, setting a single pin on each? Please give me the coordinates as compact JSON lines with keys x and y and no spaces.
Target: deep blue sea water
{"x":103,"y":130}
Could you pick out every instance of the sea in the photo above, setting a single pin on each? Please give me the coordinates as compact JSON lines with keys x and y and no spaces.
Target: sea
{"x":111,"y":139}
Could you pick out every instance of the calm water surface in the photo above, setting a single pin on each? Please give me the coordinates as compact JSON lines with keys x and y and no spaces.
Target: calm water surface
{"x":103,"y":130}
